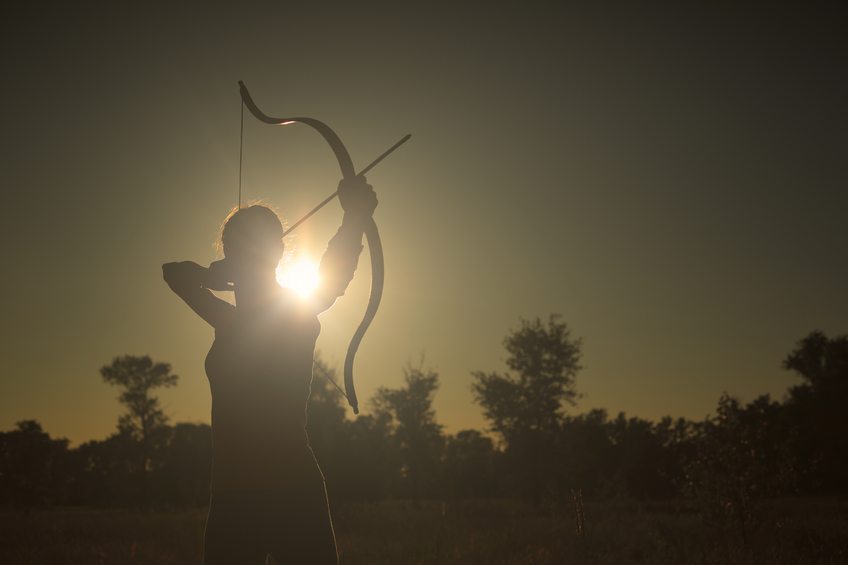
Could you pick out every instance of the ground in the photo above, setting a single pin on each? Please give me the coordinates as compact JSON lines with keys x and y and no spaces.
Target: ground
{"x":470,"y":532}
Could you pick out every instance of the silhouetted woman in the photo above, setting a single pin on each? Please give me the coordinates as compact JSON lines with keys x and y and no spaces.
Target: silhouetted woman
{"x":268,"y":494}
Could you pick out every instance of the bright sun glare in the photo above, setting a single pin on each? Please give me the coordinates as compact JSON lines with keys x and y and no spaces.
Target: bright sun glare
{"x":300,"y":276}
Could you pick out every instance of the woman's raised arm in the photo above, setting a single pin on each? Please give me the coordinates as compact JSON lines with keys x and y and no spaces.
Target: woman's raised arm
{"x":338,"y":264}
{"x":186,"y":280}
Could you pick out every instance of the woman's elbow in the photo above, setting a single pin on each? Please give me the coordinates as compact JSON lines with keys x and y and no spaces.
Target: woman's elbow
{"x":177,"y":276}
{"x":171,"y":274}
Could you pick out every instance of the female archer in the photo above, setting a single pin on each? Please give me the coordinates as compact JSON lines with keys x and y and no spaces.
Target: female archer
{"x":268,"y":493}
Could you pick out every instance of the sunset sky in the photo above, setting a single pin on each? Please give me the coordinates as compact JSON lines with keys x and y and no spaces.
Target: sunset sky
{"x":672,"y":182}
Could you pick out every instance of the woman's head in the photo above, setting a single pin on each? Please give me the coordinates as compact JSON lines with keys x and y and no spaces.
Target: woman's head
{"x":252,"y":238}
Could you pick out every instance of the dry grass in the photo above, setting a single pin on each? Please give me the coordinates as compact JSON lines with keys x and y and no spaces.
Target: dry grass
{"x":490,"y":532}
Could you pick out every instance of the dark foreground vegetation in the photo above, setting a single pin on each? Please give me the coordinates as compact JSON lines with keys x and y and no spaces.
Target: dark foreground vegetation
{"x":462,"y":532}
{"x":762,"y":482}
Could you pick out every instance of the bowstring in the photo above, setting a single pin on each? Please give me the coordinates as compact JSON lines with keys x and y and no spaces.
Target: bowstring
{"x":338,"y":388}
{"x":241,"y":151}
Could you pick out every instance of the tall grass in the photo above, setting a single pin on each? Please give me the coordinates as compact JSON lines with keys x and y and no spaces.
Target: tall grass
{"x":473,"y":532}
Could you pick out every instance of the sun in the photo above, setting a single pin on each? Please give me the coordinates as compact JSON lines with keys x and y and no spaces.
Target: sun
{"x":301,"y":276}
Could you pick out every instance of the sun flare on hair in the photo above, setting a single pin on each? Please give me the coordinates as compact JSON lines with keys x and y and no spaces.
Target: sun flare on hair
{"x":301,"y":276}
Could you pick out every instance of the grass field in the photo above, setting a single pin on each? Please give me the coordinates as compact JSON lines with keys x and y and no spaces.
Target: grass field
{"x":478,"y":532}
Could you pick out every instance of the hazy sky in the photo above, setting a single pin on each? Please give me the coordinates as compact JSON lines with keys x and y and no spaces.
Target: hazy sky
{"x":672,"y":182}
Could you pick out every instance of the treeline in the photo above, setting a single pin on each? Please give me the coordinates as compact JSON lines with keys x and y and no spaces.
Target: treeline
{"x":535,"y":448}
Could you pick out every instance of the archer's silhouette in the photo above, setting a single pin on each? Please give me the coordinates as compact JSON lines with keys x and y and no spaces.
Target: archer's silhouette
{"x":268,"y":493}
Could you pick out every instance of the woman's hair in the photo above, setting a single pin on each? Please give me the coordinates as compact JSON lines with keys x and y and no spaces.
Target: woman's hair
{"x":255,"y":229}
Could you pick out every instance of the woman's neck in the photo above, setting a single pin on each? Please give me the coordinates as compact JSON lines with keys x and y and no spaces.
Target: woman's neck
{"x":257,"y":292}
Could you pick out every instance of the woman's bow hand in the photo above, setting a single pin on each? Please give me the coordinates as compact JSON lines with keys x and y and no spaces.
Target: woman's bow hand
{"x":357,"y":197}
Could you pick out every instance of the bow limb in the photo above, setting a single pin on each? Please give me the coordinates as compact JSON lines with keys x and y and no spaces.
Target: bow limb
{"x":375,"y":248}
{"x":342,"y":155}
{"x":372,"y":235}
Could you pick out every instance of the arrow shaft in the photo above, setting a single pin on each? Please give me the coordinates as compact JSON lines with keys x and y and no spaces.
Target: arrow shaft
{"x":327,"y":200}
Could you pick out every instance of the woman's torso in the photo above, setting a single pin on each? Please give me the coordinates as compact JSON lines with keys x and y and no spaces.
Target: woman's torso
{"x":259,"y":369}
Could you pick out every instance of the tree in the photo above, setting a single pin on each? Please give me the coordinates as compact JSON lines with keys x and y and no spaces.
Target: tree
{"x":585,"y":456}
{"x":822,"y":362}
{"x":139,"y":376}
{"x":183,"y":472}
{"x":641,"y":455}
{"x":107,"y":472}
{"x":741,"y":457}
{"x":357,"y":457}
{"x":144,"y":420}
{"x":31,"y":466}
{"x":368,"y":460}
{"x":546,"y":360}
{"x":818,"y":409}
{"x":470,"y":459}
{"x":412,"y":421}
{"x":527,"y":408}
